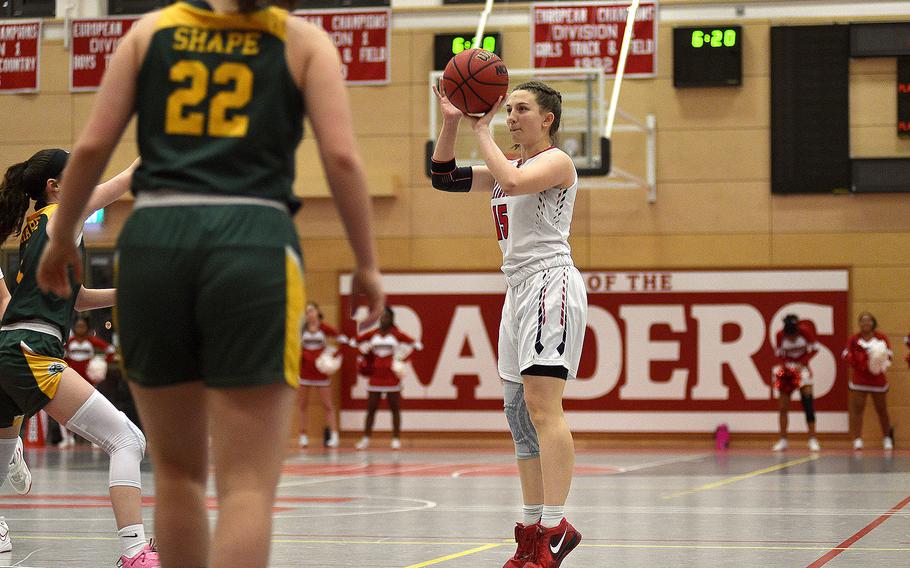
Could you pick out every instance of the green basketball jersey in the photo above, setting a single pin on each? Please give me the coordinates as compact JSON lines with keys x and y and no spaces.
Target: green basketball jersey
{"x":218,"y":110}
{"x":28,"y":301}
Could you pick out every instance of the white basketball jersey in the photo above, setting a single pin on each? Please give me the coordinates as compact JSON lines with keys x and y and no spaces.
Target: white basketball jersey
{"x":533,"y":229}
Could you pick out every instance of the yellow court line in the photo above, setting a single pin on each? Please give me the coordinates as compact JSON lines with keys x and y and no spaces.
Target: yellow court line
{"x":730,"y":480}
{"x":454,"y":556}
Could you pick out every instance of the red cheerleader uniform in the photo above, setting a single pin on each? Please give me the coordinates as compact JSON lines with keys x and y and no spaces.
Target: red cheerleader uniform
{"x":380,"y":348}
{"x":856,"y":356}
{"x":312,"y":345}
{"x":80,"y":351}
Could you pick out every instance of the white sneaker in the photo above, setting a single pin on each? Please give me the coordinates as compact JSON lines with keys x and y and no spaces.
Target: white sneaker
{"x":363,"y":444}
{"x":814,"y":445}
{"x":888,"y":443}
{"x":780,"y":446}
{"x":396,"y":443}
{"x":6,"y":543}
{"x":19,"y":475}
{"x":333,"y":440}
{"x":858,"y":444}
{"x":303,"y":441}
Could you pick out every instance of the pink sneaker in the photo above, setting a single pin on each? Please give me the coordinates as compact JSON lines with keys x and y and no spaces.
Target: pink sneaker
{"x":147,"y":558}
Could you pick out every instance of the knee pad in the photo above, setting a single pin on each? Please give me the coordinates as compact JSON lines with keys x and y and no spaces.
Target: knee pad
{"x":100,"y":423}
{"x":524,"y":436}
{"x":808,"y":407}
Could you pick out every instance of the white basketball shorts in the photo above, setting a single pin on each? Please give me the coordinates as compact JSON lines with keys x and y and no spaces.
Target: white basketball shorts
{"x":543,"y":323}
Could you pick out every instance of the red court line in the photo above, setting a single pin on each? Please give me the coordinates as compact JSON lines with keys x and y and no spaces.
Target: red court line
{"x":833,"y":553}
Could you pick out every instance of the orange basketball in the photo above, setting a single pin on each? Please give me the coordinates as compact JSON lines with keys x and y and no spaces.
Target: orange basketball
{"x":474,"y":79}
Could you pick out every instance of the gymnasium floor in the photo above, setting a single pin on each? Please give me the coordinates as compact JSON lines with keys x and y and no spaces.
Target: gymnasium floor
{"x":418,"y":508}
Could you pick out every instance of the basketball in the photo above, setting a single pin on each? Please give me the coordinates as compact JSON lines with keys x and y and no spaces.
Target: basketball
{"x":474,"y":79}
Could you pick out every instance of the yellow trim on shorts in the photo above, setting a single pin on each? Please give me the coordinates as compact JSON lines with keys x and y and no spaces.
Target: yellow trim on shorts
{"x":293,"y":318}
{"x":271,"y":20}
{"x":47,"y":370}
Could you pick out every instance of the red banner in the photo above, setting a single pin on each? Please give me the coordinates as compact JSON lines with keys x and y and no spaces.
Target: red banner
{"x":664,"y":350}
{"x":363,"y":38}
{"x":19,"y":57}
{"x":93,"y":42}
{"x":589,"y":34}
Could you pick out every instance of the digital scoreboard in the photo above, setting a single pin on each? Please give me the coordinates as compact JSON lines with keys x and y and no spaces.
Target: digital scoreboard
{"x":708,"y":56}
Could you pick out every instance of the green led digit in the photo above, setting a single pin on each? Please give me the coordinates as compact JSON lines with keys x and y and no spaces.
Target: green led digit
{"x":698,"y":38}
{"x":717,"y":38}
{"x":458,"y":45}
{"x":489,"y":43}
{"x":729,"y":38}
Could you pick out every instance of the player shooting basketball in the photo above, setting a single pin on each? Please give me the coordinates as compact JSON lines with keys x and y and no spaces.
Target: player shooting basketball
{"x":543,"y":318}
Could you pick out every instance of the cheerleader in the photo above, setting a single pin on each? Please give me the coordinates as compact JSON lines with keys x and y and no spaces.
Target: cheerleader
{"x":384,"y":351}
{"x":869,"y":355}
{"x":318,"y":362}
{"x":796,"y":346}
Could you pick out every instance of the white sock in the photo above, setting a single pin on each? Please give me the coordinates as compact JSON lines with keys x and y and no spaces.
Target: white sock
{"x":552,"y":515}
{"x":132,"y":540}
{"x":7,"y":449}
{"x":531,"y":514}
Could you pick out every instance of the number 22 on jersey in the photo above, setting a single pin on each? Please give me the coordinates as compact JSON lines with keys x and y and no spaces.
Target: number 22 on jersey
{"x":238,"y":77}
{"x":501,"y":220}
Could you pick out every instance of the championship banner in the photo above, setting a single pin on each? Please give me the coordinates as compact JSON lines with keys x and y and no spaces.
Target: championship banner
{"x":19,"y":57}
{"x":680,"y":350}
{"x":363,"y":38}
{"x":589,"y":34}
{"x":93,"y":42}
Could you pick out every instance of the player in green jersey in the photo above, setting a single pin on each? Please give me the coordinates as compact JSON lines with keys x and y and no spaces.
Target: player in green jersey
{"x":33,"y":374}
{"x":219,"y":90}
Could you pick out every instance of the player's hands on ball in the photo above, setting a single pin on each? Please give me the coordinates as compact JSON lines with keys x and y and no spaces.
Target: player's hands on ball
{"x":483,"y":122}
{"x":53,"y":270}
{"x":449,"y":112}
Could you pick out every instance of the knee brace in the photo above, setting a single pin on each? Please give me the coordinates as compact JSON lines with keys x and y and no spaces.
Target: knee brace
{"x":524,"y":435}
{"x":100,"y":423}
{"x":808,"y":407}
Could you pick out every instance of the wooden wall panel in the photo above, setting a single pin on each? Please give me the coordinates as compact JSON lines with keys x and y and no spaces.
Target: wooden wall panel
{"x":878,"y":141}
{"x":871,"y":284}
{"x":841,"y":249}
{"x":683,"y":251}
{"x":852,"y":213}
{"x":698,"y":156}
{"x":683,"y":208}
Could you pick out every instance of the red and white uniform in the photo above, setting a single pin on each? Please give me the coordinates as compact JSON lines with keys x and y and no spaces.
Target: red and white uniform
{"x":545,"y":311}
{"x":312,"y":345}
{"x":79,"y":352}
{"x":857,"y":357}
{"x":798,"y":350}
{"x":385,"y":347}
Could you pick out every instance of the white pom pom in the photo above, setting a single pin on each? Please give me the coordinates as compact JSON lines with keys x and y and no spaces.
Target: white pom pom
{"x":97,"y":369}
{"x":327,"y":363}
{"x":879,"y":356}
{"x":398,"y":368}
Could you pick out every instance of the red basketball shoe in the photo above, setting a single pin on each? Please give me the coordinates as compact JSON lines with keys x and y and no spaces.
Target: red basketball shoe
{"x":553,"y":545}
{"x":526,"y":539}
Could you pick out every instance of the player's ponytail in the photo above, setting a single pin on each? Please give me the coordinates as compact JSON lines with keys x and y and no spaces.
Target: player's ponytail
{"x":24,"y":182}
{"x":14,"y":200}
{"x":549,"y":100}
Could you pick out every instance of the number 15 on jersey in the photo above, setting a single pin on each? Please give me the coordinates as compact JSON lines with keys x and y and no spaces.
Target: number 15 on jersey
{"x":501,"y":220}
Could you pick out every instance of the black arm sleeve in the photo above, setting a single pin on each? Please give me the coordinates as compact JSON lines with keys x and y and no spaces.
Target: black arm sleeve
{"x":447,"y":176}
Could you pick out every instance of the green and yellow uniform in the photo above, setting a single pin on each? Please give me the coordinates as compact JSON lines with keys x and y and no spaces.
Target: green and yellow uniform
{"x":209,"y":276}
{"x":33,"y":329}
